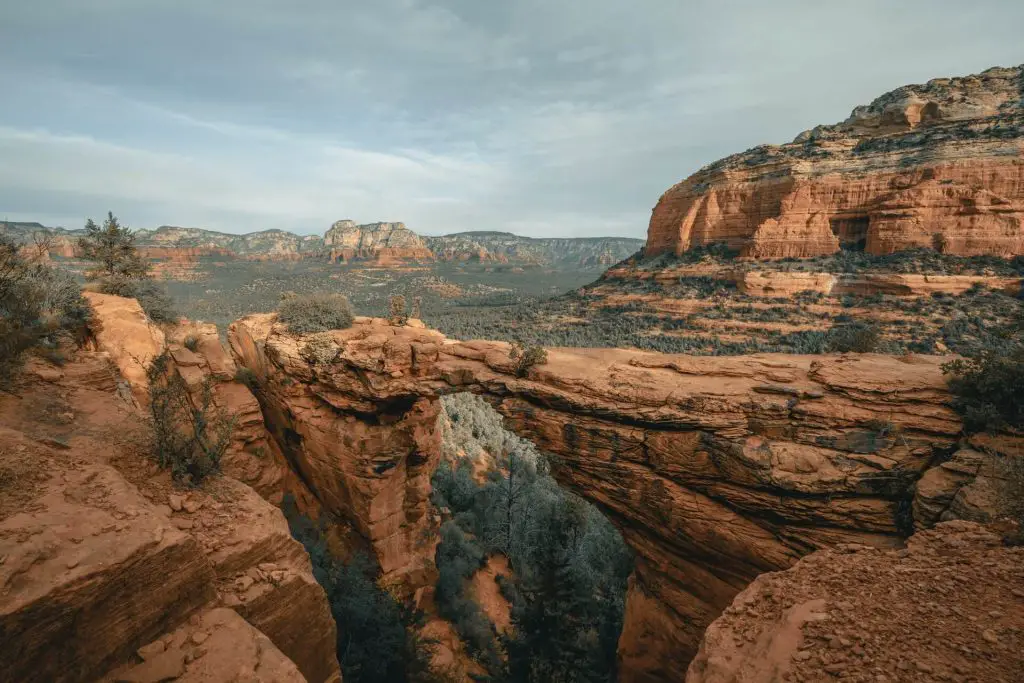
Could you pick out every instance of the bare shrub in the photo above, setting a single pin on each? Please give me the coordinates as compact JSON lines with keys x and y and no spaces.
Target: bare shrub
{"x":190,"y":433}
{"x":316,"y":313}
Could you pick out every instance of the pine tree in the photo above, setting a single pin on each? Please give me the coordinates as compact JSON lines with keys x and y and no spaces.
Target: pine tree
{"x":549,"y":643}
{"x":112,"y":247}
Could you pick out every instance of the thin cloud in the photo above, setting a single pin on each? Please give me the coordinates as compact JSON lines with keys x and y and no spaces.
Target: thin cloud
{"x":542,"y":117}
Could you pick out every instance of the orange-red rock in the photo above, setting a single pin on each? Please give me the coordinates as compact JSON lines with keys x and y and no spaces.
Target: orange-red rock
{"x":716,"y":469}
{"x":361,"y":431}
{"x":102,"y":553}
{"x":128,"y":336}
{"x":776,"y":283}
{"x":377,"y":241}
{"x":213,"y":647}
{"x":246,"y":548}
{"x":91,"y":571}
{"x":949,"y":606}
{"x":937,"y":165}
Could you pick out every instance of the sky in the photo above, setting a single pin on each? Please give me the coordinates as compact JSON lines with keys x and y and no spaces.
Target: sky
{"x":539,"y":117}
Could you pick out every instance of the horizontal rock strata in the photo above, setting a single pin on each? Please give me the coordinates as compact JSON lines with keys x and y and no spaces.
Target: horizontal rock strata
{"x":938,"y":165}
{"x":716,"y":469}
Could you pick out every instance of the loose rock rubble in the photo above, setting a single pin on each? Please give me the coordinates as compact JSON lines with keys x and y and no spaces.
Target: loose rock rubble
{"x":948,"y":607}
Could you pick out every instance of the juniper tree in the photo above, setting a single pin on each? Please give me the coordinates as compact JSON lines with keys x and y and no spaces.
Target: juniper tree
{"x":112,"y":248}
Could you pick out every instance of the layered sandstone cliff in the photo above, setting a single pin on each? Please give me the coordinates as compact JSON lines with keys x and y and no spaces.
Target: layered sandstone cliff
{"x":765,"y":283}
{"x":715,"y":469}
{"x":355,"y":419}
{"x":939,"y":165}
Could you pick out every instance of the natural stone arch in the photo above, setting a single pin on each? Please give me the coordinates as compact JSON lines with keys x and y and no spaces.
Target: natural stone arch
{"x":715,"y":469}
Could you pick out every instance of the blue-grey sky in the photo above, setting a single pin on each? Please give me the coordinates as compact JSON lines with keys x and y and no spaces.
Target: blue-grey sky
{"x":541,"y":117}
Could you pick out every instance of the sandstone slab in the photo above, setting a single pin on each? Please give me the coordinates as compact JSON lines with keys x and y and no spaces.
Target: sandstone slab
{"x":91,"y":572}
{"x":215,"y":646}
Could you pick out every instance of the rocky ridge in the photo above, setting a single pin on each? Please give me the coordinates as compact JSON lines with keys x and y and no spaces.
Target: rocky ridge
{"x":504,"y":247}
{"x":345,"y":241}
{"x":939,"y":165}
{"x":785,"y":283}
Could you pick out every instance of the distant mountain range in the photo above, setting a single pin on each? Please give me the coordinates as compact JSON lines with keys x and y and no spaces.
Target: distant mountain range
{"x":346,"y":241}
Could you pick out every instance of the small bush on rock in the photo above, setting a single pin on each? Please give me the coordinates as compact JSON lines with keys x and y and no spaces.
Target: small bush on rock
{"x":526,"y":357}
{"x":247,"y":377}
{"x":316,"y":313}
{"x":39,"y":306}
{"x":321,"y":349}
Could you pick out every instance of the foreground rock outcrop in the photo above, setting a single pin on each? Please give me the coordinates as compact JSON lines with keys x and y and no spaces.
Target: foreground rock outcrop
{"x":949,"y":607}
{"x":938,"y":165}
{"x":715,"y":469}
{"x":104,"y":560}
{"x":358,"y":426}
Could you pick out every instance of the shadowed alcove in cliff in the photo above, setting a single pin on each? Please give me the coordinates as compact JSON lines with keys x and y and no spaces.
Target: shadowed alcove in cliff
{"x":852,"y":231}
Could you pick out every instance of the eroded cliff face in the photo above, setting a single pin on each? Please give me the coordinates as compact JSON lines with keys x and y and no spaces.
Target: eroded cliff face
{"x":356,"y":419}
{"x":716,"y":469}
{"x":939,"y":165}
